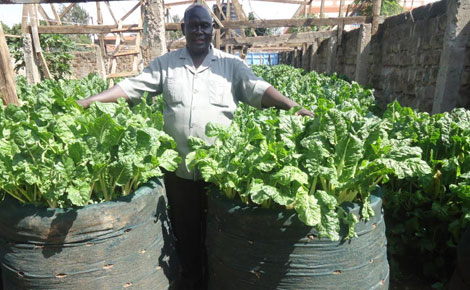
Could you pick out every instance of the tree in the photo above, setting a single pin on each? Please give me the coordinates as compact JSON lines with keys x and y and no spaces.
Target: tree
{"x":15,"y":44}
{"x":175,"y":35}
{"x":76,"y":15}
{"x":56,"y":50}
{"x":388,"y":8}
{"x":259,"y":31}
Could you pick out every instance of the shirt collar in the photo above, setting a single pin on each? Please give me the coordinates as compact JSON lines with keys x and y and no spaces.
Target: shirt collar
{"x":188,"y":62}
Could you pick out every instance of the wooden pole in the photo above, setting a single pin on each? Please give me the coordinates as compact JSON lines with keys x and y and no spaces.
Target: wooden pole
{"x":56,"y":15}
{"x":322,"y":9}
{"x":37,"y":42}
{"x":138,"y":59}
{"x":31,"y":68}
{"x":44,"y":15}
{"x":7,"y":79}
{"x":66,"y":10}
{"x":376,"y":15}
{"x":217,"y":30}
{"x":99,"y":17}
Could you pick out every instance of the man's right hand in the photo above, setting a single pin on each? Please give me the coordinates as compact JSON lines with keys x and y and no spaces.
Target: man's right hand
{"x":109,"y":96}
{"x":83,"y":103}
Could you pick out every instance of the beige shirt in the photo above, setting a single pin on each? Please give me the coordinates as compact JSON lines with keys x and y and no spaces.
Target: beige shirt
{"x":195,"y":97}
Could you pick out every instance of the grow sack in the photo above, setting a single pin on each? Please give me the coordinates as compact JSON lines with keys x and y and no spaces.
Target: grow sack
{"x":111,"y":245}
{"x":254,"y":248}
{"x":461,"y":278}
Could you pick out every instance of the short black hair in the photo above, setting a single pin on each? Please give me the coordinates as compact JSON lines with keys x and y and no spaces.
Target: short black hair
{"x":194,"y":6}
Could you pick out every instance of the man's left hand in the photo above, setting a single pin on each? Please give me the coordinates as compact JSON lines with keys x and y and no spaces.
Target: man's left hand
{"x":305,"y":112}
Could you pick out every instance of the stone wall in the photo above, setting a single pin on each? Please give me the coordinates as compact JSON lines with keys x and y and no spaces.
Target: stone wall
{"x":85,"y":62}
{"x":405,"y":55}
{"x":405,"y":59}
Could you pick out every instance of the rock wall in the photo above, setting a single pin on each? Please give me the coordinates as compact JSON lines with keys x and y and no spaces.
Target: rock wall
{"x":411,"y":58}
{"x":85,"y":62}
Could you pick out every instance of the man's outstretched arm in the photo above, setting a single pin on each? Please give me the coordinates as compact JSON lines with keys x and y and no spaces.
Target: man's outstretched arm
{"x":111,"y":95}
{"x":273,"y":98}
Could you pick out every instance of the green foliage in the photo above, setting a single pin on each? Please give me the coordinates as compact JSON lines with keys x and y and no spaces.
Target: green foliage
{"x":259,"y":31}
{"x":303,"y":28}
{"x":313,"y":165}
{"x":54,"y":153}
{"x":388,"y":8}
{"x":76,"y":15}
{"x":56,"y":49}
{"x":428,"y":214}
{"x":175,"y":35}
{"x":57,"y":52}
{"x":15,"y":44}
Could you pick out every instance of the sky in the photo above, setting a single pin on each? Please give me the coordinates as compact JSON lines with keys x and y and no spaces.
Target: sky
{"x":11,"y":14}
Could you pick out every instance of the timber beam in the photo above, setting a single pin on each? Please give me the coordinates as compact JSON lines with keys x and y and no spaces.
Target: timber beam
{"x":285,"y":40}
{"x":294,"y":38}
{"x":270,"y":23}
{"x":88,"y":29}
{"x":48,"y":1}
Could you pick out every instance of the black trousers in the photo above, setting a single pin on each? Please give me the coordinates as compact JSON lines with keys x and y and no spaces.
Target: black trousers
{"x":187,"y":209}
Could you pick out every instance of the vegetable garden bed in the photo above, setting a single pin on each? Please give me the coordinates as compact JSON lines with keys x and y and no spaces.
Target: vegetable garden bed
{"x":55,"y":154}
{"x":76,"y":169}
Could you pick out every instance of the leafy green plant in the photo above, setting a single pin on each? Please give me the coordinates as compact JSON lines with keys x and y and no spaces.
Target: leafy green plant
{"x":388,"y":7}
{"x":57,"y":54}
{"x":427,"y":215}
{"x":56,"y":154}
{"x":56,"y":48}
{"x":313,"y":165}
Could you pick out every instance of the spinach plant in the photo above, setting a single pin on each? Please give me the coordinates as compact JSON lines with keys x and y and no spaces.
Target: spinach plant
{"x":55,"y":153}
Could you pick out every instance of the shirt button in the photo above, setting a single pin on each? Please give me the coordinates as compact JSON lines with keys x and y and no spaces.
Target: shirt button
{"x":195,"y":91}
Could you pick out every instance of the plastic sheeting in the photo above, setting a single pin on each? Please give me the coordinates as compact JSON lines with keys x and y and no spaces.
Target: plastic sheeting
{"x":111,"y":245}
{"x":252,"y":248}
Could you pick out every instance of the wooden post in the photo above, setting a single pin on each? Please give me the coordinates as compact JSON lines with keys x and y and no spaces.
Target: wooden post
{"x":153,"y":36}
{"x":31,"y":68}
{"x":7,"y":77}
{"x":322,"y":9}
{"x":100,"y":63}
{"x":66,"y":10}
{"x":241,"y":15}
{"x":99,"y":17}
{"x":137,"y":64}
{"x":228,"y":33}
{"x":116,"y":50}
{"x":56,"y":15}
{"x":37,"y":42}
{"x":376,"y":15}
{"x":218,"y":13}
{"x":44,"y":15}
{"x":362,"y":55}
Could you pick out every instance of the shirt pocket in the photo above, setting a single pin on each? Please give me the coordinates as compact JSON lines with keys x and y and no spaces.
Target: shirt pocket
{"x":220,"y":93}
{"x":173,"y":91}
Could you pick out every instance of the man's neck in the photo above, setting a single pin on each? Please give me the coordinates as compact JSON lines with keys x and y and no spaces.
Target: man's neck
{"x":198,"y":58}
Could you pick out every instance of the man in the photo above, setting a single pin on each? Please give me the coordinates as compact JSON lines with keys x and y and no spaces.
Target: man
{"x":200,"y":84}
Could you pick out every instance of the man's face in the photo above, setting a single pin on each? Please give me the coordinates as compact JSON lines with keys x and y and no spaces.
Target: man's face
{"x":197,"y":28}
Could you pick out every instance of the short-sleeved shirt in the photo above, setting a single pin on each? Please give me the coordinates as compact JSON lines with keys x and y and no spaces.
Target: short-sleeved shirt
{"x":195,"y":97}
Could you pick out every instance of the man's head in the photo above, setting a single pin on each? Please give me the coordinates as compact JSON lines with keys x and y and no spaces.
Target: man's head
{"x":197,"y":28}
